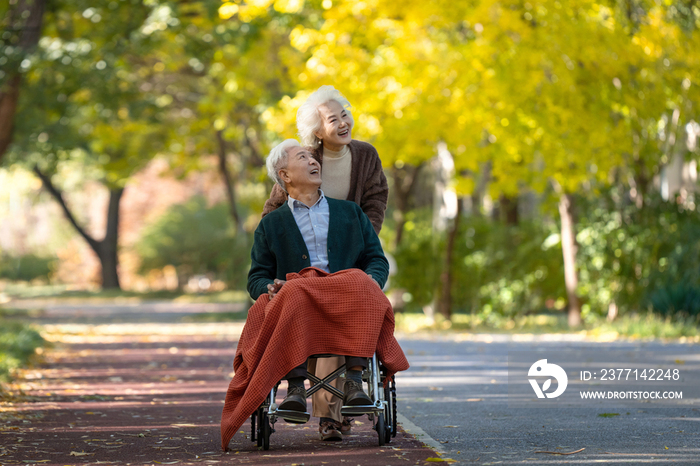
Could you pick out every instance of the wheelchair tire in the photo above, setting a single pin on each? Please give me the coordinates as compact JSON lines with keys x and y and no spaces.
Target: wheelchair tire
{"x":392,"y":426}
{"x":253,"y":433}
{"x":259,"y":427}
{"x":381,"y":429}
{"x":389,"y":417}
{"x":266,"y":431}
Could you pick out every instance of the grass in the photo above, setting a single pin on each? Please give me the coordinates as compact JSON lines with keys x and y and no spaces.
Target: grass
{"x":18,"y":346}
{"x":217,"y":317}
{"x":650,"y":325}
{"x":639,"y":325}
{"x":635,"y":326}
{"x":13,"y":291}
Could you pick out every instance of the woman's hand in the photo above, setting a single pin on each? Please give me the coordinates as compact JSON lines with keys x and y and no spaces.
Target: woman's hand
{"x":272,"y":289}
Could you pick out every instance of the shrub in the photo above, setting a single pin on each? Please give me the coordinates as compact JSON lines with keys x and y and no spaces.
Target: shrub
{"x":18,"y":343}
{"x":506,"y":270}
{"x":196,"y":240}
{"x":498,"y":269}
{"x":417,"y":261}
{"x":640,"y":258}
{"x":26,"y":268}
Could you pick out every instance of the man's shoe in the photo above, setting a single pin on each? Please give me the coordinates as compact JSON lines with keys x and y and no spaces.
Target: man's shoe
{"x":330,"y":431}
{"x":346,"y":425}
{"x":354,"y":395}
{"x":295,"y":400}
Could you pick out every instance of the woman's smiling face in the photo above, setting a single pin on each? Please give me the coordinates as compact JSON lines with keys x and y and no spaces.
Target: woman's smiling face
{"x":336,"y":126}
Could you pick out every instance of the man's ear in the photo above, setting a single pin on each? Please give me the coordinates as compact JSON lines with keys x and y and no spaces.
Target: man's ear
{"x":284,"y":176}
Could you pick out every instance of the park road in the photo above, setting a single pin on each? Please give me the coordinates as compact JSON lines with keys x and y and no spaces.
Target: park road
{"x":458,"y":393}
{"x":144,"y":383}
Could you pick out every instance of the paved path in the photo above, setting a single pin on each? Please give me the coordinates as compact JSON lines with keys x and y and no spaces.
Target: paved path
{"x":116,"y":392}
{"x":457,"y":392}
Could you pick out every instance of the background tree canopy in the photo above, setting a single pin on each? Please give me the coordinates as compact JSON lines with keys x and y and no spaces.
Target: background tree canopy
{"x":561,"y":127}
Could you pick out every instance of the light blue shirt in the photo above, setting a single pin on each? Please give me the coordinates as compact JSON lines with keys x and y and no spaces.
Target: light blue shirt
{"x":313,"y":225}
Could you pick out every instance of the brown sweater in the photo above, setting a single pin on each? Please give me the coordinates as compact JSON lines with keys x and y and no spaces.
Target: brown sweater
{"x":368,"y":186}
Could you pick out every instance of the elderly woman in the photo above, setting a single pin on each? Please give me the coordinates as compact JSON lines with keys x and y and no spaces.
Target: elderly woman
{"x":352,"y":171}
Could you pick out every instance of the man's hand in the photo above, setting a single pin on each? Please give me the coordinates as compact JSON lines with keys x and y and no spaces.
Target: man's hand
{"x":375,"y":281}
{"x":272,"y":289}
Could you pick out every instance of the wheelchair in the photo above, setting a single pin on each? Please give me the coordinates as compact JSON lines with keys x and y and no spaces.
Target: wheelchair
{"x":382,"y":413}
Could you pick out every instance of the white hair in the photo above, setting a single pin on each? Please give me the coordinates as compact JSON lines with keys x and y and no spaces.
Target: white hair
{"x":308,"y":118}
{"x":277,"y":160}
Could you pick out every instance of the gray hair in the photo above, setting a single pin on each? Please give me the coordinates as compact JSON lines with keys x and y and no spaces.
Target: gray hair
{"x":308,"y":118}
{"x":277,"y":160}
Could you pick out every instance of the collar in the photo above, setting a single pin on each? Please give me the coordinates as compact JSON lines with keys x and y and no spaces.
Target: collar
{"x":293,"y":203}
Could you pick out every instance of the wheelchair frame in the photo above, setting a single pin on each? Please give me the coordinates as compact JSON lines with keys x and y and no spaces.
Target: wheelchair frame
{"x":382,"y":413}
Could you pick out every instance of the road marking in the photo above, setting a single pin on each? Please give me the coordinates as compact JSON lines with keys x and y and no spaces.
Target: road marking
{"x":420,"y":434}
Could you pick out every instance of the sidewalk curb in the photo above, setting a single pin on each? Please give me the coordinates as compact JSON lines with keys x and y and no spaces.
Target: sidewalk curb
{"x":420,"y":434}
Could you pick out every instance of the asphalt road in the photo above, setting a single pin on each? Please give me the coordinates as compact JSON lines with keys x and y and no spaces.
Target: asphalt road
{"x":457,"y":392}
{"x":457,"y":397}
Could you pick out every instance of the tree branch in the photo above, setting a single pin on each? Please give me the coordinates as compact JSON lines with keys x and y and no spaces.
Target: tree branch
{"x":56,"y":193}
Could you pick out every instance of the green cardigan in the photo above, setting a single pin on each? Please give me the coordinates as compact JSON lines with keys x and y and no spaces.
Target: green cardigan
{"x":279,"y":248}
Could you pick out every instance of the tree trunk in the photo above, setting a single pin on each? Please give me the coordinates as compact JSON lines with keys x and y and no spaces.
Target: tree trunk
{"x":568,"y":246}
{"x":509,"y":209}
{"x":230,"y":188}
{"x":477,"y":197}
{"x":26,"y":17}
{"x":107,"y":248}
{"x":404,"y":184}
{"x":444,"y":303}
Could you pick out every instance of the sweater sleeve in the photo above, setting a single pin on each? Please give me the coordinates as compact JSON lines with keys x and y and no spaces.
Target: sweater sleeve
{"x":277,"y":198}
{"x":375,"y":192}
{"x":263,"y":265}
{"x":373,"y":262}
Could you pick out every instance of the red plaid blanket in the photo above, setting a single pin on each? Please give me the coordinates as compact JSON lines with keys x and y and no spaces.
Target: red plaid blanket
{"x":342,"y":313}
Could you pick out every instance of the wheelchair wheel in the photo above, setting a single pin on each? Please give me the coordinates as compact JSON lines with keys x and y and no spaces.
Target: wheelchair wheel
{"x":263,"y":429}
{"x":390,"y":397}
{"x":258,"y":426}
{"x":266,"y":433}
{"x":381,"y":429}
{"x":253,"y":432}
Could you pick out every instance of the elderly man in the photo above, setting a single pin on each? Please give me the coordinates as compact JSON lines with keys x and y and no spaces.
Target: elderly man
{"x":311,"y":230}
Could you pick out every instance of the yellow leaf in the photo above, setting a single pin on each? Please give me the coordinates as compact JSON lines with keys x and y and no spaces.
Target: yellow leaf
{"x":227,"y":10}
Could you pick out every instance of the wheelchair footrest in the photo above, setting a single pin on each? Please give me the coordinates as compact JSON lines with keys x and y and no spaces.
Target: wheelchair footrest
{"x":295,"y":417}
{"x":357,"y":410}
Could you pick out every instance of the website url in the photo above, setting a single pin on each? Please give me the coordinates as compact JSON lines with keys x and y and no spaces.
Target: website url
{"x":631,"y":395}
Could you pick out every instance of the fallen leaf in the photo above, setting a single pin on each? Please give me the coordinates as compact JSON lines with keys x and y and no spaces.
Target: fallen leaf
{"x":80,"y":453}
{"x":452,"y":427}
{"x":558,"y":453}
{"x":441,"y":460}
